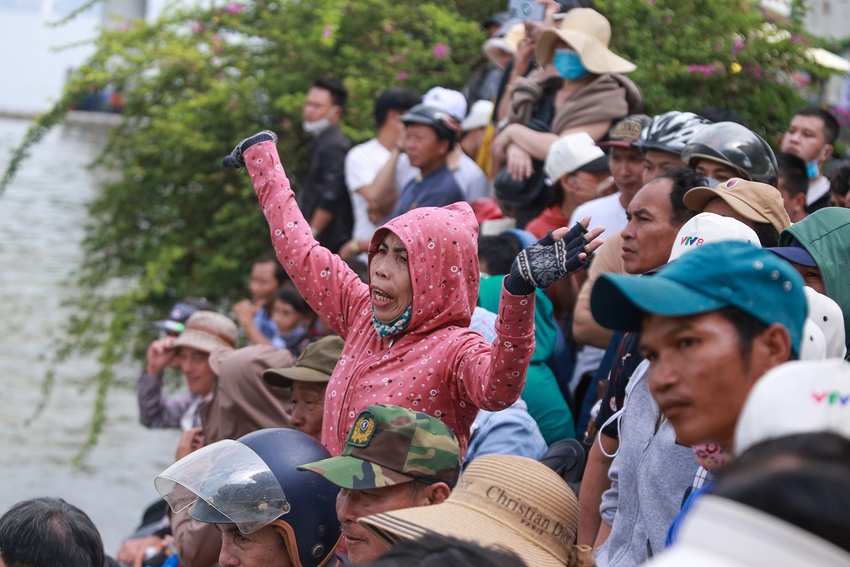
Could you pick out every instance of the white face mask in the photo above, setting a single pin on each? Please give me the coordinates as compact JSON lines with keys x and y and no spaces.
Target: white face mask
{"x":316,"y":127}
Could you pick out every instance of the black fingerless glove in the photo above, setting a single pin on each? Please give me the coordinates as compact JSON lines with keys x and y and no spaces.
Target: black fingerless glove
{"x":546,"y":261}
{"x":235,"y":159}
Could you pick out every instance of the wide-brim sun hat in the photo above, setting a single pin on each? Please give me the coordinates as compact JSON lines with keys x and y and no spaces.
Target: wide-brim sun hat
{"x":589,"y":33}
{"x":500,"y":501}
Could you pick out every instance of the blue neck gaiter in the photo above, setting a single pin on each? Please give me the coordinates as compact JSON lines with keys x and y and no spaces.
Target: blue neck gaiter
{"x":812,"y":169}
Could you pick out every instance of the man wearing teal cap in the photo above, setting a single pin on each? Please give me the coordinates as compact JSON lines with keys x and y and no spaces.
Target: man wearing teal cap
{"x":712,"y":324}
{"x":393,"y":458}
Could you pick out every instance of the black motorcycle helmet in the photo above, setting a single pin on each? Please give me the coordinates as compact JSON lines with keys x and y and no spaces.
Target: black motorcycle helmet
{"x":735,"y":146}
{"x":442,"y":122}
{"x":253,"y":483}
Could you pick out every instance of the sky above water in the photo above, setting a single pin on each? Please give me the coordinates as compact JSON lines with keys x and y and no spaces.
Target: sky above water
{"x":37,"y":57}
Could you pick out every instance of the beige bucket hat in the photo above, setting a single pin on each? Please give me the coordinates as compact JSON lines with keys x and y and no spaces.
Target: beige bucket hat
{"x":500,"y":501}
{"x":589,"y":33}
{"x":207,"y":331}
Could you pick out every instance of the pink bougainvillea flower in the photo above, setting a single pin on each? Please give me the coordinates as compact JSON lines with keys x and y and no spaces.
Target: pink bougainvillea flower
{"x":326,"y":32}
{"x":737,"y":46}
{"x":442,"y":50}
{"x":232,"y":8}
{"x":705,"y":70}
{"x":401,"y":75}
{"x":197,"y":27}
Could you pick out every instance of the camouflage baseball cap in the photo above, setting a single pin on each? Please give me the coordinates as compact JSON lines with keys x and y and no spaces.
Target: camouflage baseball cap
{"x":391,"y":445}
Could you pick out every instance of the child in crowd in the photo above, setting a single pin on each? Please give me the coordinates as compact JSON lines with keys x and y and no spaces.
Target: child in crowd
{"x":294,"y":319}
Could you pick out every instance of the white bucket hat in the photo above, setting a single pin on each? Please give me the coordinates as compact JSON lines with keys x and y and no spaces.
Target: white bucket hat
{"x":587,"y":32}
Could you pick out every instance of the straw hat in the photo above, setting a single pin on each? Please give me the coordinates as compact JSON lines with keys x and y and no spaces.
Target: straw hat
{"x":500,"y":501}
{"x":207,"y":331}
{"x":588,"y":33}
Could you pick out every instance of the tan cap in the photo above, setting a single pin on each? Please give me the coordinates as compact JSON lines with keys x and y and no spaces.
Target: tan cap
{"x":500,"y":500}
{"x":756,"y":202}
{"x":316,"y":364}
{"x":207,"y":331}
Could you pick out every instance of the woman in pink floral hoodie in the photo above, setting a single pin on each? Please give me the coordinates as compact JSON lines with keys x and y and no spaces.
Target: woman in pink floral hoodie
{"x":407,"y":336}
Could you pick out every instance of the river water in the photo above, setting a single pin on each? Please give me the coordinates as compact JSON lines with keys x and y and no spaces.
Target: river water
{"x":41,"y":225}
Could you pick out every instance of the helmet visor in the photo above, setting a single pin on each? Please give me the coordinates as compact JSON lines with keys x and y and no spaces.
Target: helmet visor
{"x":230,"y":478}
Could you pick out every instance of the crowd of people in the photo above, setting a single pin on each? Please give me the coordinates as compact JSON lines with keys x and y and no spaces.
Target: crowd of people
{"x":525,"y":324}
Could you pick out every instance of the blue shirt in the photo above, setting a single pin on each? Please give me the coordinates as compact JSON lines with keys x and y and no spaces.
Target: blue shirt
{"x":266,"y":326}
{"x":511,"y":431}
{"x":437,"y":189}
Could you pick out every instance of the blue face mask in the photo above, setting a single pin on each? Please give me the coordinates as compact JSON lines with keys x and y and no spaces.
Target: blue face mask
{"x":812,"y":169}
{"x":568,"y":64}
{"x":812,"y":166}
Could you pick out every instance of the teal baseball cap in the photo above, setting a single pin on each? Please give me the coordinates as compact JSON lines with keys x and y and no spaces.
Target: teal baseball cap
{"x":714,"y":276}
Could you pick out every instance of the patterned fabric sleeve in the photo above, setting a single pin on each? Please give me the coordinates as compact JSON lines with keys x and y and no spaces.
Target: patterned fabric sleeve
{"x":331,"y":288}
{"x":492,"y":376}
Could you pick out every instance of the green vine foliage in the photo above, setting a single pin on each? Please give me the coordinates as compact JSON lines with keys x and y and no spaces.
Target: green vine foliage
{"x":172,"y":223}
{"x":718,"y":53}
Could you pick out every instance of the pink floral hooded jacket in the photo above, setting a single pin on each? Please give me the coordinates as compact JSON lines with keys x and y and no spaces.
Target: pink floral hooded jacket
{"x":437,"y":365}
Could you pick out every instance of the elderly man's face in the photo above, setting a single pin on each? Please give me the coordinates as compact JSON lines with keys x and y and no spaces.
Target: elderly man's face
{"x":195,"y":365}
{"x":363,"y":547}
{"x":424,"y":148}
{"x":650,"y":232}
{"x":263,"y":548}
{"x":308,"y":407}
